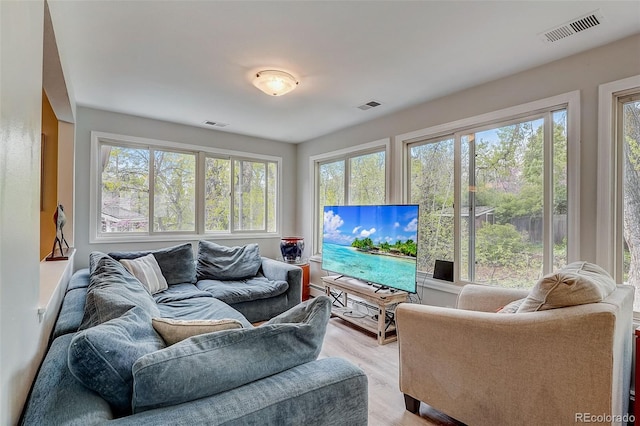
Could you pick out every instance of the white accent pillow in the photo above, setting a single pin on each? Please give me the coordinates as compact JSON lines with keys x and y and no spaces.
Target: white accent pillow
{"x":578,"y":283}
{"x":173,"y":330}
{"x":147,"y":271}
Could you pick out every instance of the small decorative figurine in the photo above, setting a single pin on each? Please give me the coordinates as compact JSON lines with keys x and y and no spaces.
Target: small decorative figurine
{"x":60,"y":220}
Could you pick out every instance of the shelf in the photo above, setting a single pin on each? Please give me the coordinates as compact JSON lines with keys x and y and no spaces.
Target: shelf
{"x":365,"y":322}
{"x":54,"y":277}
{"x":384,"y":332}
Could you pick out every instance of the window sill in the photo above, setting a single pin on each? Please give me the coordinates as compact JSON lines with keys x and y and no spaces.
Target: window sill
{"x":444,"y":286}
{"x":179,"y":237}
{"x":54,"y":277}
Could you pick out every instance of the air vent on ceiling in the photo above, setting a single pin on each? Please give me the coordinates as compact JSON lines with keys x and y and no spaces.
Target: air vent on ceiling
{"x":369,"y":105}
{"x":572,"y":27}
{"x":215,"y":123}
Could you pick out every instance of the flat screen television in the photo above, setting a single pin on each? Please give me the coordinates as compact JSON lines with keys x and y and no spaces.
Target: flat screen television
{"x":376,"y":244}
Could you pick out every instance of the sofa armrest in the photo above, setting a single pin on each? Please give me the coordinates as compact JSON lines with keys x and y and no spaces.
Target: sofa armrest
{"x":276,"y":270}
{"x":470,"y":364}
{"x":58,"y":398}
{"x":474,"y":297}
{"x":295,"y":396}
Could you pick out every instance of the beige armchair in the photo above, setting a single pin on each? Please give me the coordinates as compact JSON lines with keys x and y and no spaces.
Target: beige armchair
{"x":552,"y":367}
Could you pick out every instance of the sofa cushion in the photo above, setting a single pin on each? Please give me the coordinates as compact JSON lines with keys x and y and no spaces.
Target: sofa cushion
{"x":511,"y":308}
{"x":576,"y":284}
{"x":177,"y":292}
{"x":58,"y":398}
{"x":176,"y":262}
{"x":113,"y":291}
{"x":227,"y":263}
{"x":173,"y":330}
{"x":71,"y":312}
{"x":80,"y":279}
{"x":147,"y":271}
{"x":191,"y":369}
{"x":243,"y":291}
{"x":200,"y":308}
{"x":101,"y":357}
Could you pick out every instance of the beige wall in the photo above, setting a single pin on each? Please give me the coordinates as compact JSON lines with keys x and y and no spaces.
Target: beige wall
{"x":584,"y":72}
{"x":89,"y":120}
{"x":21,"y":43}
{"x":49,"y":186}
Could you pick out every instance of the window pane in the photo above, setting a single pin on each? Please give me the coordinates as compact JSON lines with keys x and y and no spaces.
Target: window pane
{"x":330,"y":189}
{"x":174,"y":191}
{"x":271,"y":197}
{"x":250,"y":193}
{"x":631,"y":195}
{"x":466,"y":266}
{"x":431,"y":171}
{"x":125,"y":189}
{"x":560,"y":199}
{"x":505,"y":205}
{"x":152,"y":189}
{"x":367,"y":179}
{"x":217,"y":189}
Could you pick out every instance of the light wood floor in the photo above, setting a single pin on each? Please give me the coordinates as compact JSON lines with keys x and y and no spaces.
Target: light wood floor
{"x":380,"y":363}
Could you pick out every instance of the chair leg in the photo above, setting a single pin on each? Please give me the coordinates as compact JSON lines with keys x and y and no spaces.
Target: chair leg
{"x":412,"y":404}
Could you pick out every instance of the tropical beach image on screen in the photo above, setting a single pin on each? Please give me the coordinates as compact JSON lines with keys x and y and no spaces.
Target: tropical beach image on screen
{"x":376,"y":244}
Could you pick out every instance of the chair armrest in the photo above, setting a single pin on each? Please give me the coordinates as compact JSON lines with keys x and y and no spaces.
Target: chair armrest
{"x":276,"y":270}
{"x":474,"y":297}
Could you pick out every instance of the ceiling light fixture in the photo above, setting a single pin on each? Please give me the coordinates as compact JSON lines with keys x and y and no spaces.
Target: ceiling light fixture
{"x":275,"y":83}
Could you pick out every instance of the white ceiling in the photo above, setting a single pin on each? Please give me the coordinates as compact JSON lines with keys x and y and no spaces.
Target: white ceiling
{"x":192,"y":61}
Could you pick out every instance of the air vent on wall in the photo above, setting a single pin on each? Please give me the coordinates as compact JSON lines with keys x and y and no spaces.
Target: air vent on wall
{"x":215,"y":123}
{"x":369,"y":105}
{"x":572,"y":27}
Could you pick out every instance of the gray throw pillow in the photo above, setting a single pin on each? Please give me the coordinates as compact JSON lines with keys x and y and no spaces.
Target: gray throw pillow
{"x":216,"y":262}
{"x":208,"y":364}
{"x":101,"y":357}
{"x":113,"y":291}
{"x":176,"y":263}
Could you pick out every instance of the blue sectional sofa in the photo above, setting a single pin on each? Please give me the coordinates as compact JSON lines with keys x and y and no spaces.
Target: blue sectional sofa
{"x":110,"y":361}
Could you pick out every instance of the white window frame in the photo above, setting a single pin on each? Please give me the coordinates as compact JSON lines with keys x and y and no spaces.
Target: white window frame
{"x":569,"y":101}
{"x":610,"y":205}
{"x":343,"y":154}
{"x":201,"y":152}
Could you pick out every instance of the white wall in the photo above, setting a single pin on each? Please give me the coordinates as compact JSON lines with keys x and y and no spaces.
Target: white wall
{"x":89,"y":120}
{"x":583,"y":72}
{"x":21,"y":41}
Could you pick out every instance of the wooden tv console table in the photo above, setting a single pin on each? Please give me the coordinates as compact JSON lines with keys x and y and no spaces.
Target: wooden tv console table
{"x":384,"y":327}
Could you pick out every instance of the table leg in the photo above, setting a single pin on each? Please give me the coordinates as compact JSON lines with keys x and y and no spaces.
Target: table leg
{"x":382,"y":317}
